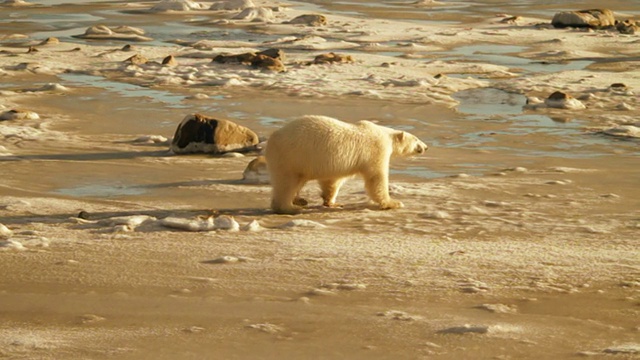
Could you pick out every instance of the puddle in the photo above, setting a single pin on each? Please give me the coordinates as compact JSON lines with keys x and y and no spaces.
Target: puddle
{"x":101,"y":190}
{"x":124,"y":89}
{"x":489,"y":101}
{"x":503,"y":55}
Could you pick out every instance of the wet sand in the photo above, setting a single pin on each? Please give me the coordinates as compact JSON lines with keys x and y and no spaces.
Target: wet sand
{"x":518,"y":240}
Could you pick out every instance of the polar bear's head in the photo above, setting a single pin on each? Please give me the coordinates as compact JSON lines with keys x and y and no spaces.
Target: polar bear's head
{"x":405,"y":144}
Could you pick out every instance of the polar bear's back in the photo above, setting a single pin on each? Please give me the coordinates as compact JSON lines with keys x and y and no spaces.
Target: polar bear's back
{"x":317,"y":147}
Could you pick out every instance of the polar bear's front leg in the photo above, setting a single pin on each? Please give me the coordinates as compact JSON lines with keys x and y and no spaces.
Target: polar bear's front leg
{"x":377,"y":185}
{"x":330,"y":190}
{"x":284,"y":195}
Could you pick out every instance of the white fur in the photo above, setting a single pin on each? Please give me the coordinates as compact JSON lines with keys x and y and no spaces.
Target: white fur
{"x":330,"y":151}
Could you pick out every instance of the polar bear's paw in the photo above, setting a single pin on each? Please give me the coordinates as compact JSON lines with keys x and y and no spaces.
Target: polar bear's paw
{"x":391,"y":204}
{"x":300,"y":201}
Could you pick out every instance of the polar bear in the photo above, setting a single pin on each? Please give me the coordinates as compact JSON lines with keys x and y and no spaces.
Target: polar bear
{"x":328,"y":150}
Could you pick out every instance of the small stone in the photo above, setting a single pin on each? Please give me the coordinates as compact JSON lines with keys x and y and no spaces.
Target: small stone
{"x":222,"y":260}
{"x":137,"y":59}
{"x":322,"y":292}
{"x":17,"y":114}
{"x":465,"y":329}
{"x":498,"y":308}
{"x":194,"y":329}
{"x":170,"y":61}
{"x":309,"y":20}
{"x":90,"y":319}
{"x":399,"y":315}
{"x":562,"y":100}
{"x":267,"y":328}
{"x":332,"y":58}
{"x":5,"y":232}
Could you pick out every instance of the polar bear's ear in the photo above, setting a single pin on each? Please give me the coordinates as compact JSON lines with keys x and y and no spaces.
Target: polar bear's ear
{"x":399,"y":136}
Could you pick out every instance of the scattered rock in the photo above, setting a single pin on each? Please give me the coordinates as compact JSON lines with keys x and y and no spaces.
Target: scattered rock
{"x":268,"y":328}
{"x":15,"y":3}
{"x":498,"y":308}
{"x":309,"y":20}
{"x":17,"y":114}
{"x":628,"y":27}
{"x":473,"y":287}
{"x":150,"y":139}
{"x":202,"y":134}
{"x":322,"y":292}
{"x":562,"y":100}
{"x":232,"y":5}
{"x":302,"y":223}
{"x":90,"y":319}
{"x":436,"y":215}
{"x":225,"y":222}
{"x":50,"y":41}
{"x":5,"y":232}
{"x":465,"y":329}
{"x":256,"y":171}
{"x":256,"y":14}
{"x":194,"y":329}
{"x":399,"y":315}
{"x":176,"y":5}
{"x":11,"y":244}
{"x":137,"y":59}
{"x":623,"y":349}
{"x":271,"y":59}
{"x":511,"y":20}
{"x":254,"y":225}
{"x":170,"y":61}
{"x":626,"y":131}
{"x":593,"y":18}
{"x":223,"y":260}
{"x":331,"y":58}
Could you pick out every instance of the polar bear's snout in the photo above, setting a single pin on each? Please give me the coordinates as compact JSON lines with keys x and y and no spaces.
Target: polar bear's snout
{"x":421,"y":148}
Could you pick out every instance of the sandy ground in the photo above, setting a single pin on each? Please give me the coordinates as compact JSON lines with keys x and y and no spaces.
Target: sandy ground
{"x":518,"y":240}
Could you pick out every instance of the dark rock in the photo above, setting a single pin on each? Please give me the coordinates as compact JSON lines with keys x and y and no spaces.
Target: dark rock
{"x":170,"y":61}
{"x":559,"y":95}
{"x":309,"y":19}
{"x":593,"y":18}
{"x":202,"y":134}
{"x":267,"y":63}
{"x":271,"y":59}
{"x":137,"y":59}
{"x":628,"y":27}
{"x":331,"y":58}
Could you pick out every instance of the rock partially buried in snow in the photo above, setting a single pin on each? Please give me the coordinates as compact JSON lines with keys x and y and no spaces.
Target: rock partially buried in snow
{"x":224,"y":222}
{"x":17,"y":114}
{"x":256,"y":171}
{"x":5,"y":232}
{"x":309,"y":19}
{"x":332,"y":58}
{"x":271,"y":59}
{"x":232,"y":5}
{"x":177,"y":5}
{"x":625,"y":131}
{"x":202,"y":134}
{"x":256,"y":14}
{"x":11,"y":244}
{"x":465,"y":329}
{"x":632,"y":349}
{"x":592,"y":18}
{"x":302,"y":223}
{"x":562,"y":100}
{"x":103,"y":32}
